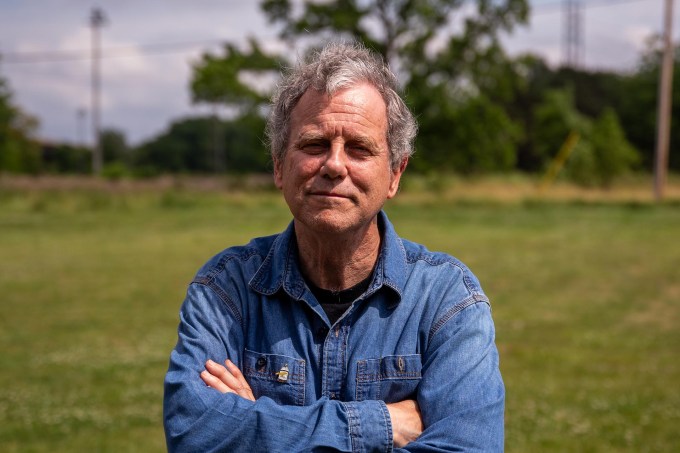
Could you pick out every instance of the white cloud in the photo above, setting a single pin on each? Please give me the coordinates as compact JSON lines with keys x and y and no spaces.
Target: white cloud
{"x":143,"y":91}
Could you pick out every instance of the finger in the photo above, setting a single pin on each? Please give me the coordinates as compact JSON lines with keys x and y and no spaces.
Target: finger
{"x":244,"y":389}
{"x":222,"y":374}
{"x":215,"y":383}
{"x":240,"y":387}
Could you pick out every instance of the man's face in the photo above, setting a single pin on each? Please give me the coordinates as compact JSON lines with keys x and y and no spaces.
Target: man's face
{"x":336,"y":173}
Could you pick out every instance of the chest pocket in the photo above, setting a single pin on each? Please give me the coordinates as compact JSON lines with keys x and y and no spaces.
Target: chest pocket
{"x":278,"y":377}
{"x":391,"y":378}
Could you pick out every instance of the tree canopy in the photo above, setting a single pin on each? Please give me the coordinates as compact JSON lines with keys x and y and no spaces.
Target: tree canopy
{"x":19,"y":152}
{"x":479,"y":110}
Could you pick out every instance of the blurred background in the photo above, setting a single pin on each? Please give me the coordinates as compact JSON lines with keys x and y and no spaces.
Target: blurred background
{"x":171,"y":86}
{"x":131,"y":150}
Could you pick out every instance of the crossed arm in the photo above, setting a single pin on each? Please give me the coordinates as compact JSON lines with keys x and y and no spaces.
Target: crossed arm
{"x":407,"y":423}
{"x":461,"y":396}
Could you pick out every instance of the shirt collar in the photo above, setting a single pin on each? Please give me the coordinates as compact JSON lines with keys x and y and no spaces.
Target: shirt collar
{"x":281,"y":269}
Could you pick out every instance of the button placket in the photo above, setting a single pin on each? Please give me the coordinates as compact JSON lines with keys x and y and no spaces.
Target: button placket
{"x":334,"y":369}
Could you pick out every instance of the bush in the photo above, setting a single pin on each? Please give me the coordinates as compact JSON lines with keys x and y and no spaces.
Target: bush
{"x":604,"y":155}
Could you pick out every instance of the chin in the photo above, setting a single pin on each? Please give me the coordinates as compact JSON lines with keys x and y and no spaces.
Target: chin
{"x":329,"y":222}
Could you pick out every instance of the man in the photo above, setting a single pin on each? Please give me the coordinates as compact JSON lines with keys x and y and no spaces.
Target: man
{"x":335,"y":335}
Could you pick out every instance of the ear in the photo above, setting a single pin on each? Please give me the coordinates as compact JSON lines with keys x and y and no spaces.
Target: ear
{"x":278,"y":176}
{"x":396,"y":177}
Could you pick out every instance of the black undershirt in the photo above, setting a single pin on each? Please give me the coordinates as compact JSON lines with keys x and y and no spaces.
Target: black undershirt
{"x":336,"y":303}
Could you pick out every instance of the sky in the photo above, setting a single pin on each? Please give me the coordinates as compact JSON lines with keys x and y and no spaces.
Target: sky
{"x":149,"y":47}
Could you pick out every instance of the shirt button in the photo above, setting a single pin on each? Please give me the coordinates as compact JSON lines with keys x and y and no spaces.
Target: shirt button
{"x":261,"y":362}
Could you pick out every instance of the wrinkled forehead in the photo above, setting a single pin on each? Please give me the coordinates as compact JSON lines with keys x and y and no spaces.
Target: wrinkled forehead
{"x":359,"y":105}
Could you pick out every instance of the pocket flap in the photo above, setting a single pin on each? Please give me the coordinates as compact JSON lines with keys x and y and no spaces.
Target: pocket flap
{"x":390,"y":367}
{"x":273,"y":367}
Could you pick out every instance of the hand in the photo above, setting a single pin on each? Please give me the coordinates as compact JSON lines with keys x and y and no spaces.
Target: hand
{"x":226,"y":380}
{"x":407,"y":423}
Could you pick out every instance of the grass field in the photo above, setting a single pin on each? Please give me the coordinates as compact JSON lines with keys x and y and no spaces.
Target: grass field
{"x":585,"y":293}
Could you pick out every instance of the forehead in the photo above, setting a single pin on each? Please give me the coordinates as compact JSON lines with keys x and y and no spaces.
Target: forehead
{"x":359,"y":108}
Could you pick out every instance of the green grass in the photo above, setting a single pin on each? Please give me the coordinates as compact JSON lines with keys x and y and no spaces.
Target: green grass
{"x":586,"y":298}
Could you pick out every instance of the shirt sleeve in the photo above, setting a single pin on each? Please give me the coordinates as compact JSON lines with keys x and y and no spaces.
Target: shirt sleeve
{"x":199,"y":418}
{"x":461,"y":395}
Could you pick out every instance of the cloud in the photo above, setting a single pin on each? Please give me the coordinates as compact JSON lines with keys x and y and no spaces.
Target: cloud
{"x":145,"y":88}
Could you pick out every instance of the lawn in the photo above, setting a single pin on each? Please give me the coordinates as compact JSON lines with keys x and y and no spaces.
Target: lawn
{"x":586,"y":298}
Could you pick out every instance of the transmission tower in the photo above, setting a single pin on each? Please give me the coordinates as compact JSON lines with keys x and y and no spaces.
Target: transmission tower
{"x":572,"y":45}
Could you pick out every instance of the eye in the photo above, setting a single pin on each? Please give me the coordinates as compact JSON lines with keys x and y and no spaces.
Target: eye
{"x":313,"y":147}
{"x":359,"y":149}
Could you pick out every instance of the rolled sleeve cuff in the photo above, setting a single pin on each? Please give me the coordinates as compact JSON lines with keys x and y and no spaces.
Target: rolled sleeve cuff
{"x":370,"y":426}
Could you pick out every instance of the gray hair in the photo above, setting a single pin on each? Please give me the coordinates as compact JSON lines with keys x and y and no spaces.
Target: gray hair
{"x":335,"y":67}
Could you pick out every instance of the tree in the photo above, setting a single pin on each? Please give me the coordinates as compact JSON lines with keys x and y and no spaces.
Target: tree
{"x":479,"y":137}
{"x":440,"y":70}
{"x":66,"y":158}
{"x":403,"y":30}
{"x":19,"y":152}
{"x":189,"y":145}
{"x":637,"y":106}
{"x":633,"y":96}
{"x":607,"y":153}
{"x":184,"y":147}
{"x":556,"y":117}
{"x":229,"y":79}
{"x":602,"y":152}
{"x":114,"y":147}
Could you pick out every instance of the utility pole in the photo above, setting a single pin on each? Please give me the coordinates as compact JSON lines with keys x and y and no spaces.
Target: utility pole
{"x":572,"y":44}
{"x":97,"y":20}
{"x":664,"y":104}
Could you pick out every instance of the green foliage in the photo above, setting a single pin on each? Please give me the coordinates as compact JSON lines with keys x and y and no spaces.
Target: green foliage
{"x":555,"y":118}
{"x":65,"y":158}
{"x":602,"y":152}
{"x":115,"y":171}
{"x":607,"y":154}
{"x":244,"y":144}
{"x":401,"y":30}
{"x":475,"y":136}
{"x":19,"y":152}
{"x":114,"y":146}
{"x":186,"y":146}
{"x":206,"y":145}
{"x":637,"y":106}
{"x":478,"y":109}
{"x":455,"y":90}
{"x":225,"y":79}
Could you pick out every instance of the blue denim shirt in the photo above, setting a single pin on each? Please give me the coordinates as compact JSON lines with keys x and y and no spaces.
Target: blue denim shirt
{"x":423,"y":330}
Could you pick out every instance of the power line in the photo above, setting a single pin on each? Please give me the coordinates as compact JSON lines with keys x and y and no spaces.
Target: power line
{"x":556,"y":5}
{"x":58,"y":56}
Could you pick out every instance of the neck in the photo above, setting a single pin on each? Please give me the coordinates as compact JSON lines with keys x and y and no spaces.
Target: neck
{"x":338,"y":262}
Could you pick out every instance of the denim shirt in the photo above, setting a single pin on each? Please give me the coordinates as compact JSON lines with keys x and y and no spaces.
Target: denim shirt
{"x":422,"y":330}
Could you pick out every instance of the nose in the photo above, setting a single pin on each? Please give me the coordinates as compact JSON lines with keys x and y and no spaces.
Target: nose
{"x":335,"y":164}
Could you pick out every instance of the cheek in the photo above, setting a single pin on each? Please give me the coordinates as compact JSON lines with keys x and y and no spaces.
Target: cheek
{"x":374,"y":180}
{"x":295,"y":174}
{"x":303,"y":168}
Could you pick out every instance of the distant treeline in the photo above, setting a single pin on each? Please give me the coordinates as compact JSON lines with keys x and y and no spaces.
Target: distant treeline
{"x":479,"y":111}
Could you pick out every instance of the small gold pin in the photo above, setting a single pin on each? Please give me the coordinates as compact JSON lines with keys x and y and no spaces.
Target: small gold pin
{"x":283,"y":374}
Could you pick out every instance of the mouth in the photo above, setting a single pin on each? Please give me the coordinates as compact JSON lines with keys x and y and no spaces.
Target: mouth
{"x":329,"y":195}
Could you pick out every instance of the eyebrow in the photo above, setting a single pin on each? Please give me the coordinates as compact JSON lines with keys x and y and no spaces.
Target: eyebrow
{"x":309,"y":136}
{"x":353,"y":139}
